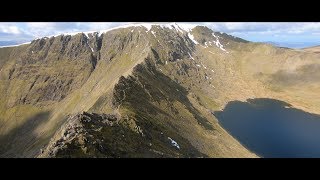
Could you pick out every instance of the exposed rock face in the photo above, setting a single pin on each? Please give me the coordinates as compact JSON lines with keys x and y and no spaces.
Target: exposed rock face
{"x":104,"y":135}
{"x":50,"y":69}
{"x":79,"y":136}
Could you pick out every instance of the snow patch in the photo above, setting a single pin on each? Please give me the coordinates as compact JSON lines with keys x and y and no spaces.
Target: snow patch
{"x":203,"y":65}
{"x":87,"y":34}
{"x":190,"y":56}
{"x":179,"y":27}
{"x":153,"y":33}
{"x":218,"y":44}
{"x":192,"y":38}
{"x":174,"y":143}
{"x":211,"y":52}
{"x":186,"y":27}
{"x":206,"y":45}
{"x":198,"y":65}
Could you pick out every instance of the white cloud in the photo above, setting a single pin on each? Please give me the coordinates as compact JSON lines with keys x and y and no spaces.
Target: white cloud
{"x":248,"y":30}
{"x":39,"y":29}
{"x":266,"y":28}
{"x":235,"y":26}
{"x":96,"y":26}
{"x":46,"y":28}
{"x":9,"y":28}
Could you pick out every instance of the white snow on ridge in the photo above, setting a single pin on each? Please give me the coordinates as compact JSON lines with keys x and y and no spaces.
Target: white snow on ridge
{"x":206,"y":44}
{"x":174,"y":143}
{"x":86,"y":34}
{"x":179,"y":27}
{"x":192,"y":38}
{"x":203,"y":65}
{"x":190,"y":56}
{"x":218,"y":44}
{"x":153,"y":33}
{"x":186,"y":27}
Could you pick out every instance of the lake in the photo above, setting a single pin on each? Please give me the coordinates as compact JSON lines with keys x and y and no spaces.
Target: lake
{"x":272,"y":128}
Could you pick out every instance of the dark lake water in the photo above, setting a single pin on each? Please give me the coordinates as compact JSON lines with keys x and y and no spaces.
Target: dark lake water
{"x":272,"y":128}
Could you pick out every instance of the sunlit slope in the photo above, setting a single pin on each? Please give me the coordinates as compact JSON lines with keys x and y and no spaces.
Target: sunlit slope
{"x":160,"y":82}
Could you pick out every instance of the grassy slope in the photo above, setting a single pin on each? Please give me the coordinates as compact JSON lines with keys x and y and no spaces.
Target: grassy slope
{"x":166,"y":106}
{"x":289,"y":75}
{"x":176,"y":98}
{"x":315,"y":49}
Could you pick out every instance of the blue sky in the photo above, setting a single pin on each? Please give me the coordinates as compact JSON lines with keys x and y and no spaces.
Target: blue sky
{"x":283,"y":33}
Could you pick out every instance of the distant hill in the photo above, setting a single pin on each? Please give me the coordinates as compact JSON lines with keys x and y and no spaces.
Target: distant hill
{"x":293,"y":45}
{"x":315,"y":49}
{"x":11,"y":43}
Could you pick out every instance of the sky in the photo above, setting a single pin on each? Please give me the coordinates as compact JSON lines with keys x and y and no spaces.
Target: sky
{"x":285,"y":34}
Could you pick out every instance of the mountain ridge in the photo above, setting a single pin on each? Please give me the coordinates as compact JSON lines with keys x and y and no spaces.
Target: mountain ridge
{"x":158,"y":80}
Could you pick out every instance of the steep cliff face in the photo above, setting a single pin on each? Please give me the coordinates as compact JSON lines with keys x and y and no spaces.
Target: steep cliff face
{"x":47,"y":70}
{"x":140,"y":91}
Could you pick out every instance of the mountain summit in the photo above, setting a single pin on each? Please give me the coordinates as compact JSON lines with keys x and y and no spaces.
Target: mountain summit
{"x":140,"y":91}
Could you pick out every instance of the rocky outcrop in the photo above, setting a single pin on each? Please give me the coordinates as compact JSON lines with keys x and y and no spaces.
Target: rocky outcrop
{"x":79,"y":136}
{"x":106,"y":135}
